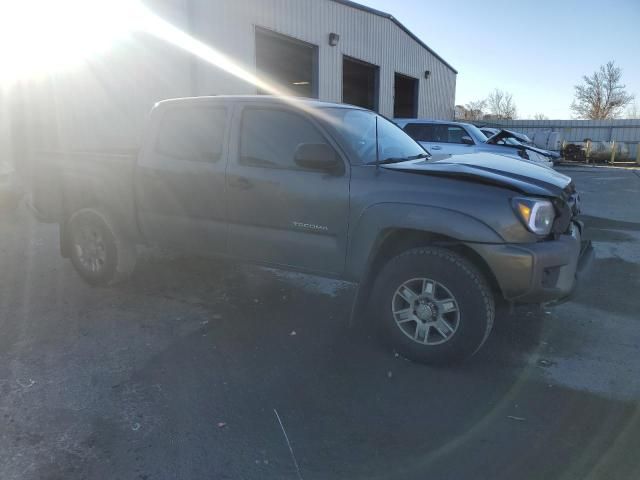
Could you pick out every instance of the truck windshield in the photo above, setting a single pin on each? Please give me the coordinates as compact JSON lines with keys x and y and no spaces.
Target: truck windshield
{"x":356,"y":130}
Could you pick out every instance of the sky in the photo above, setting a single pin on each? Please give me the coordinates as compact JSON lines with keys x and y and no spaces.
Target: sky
{"x":535,"y":49}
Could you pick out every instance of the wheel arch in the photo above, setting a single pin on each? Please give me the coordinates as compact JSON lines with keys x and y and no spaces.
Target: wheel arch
{"x":394,"y":241}
{"x":84,"y":191}
{"x":392,"y":223}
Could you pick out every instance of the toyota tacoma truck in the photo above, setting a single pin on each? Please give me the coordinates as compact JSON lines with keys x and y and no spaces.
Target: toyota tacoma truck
{"x":329,"y":189}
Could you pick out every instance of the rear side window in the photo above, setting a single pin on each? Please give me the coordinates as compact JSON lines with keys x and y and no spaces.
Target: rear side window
{"x":195,"y":134}
{"x":455,"y":134}
{"x":270,"y":137}
{"x":420,"y":132}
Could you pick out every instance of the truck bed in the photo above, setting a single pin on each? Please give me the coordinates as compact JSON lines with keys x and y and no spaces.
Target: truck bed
{"x":62,"y":182}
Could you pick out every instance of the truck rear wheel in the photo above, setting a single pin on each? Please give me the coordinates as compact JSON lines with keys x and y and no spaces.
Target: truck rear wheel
{"x":434,"y":305}
{"x":99,"y":251}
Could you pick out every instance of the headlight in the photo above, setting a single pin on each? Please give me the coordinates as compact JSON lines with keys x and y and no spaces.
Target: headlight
{"x":537,"y":215}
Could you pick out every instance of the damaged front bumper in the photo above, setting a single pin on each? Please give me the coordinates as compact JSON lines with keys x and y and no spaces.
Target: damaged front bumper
{"x":539,"y":272}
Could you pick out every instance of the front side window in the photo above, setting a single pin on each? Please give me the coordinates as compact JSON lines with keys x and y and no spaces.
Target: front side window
{"x":195,"y":134}
{"x":455,"y":134}
{"x":270,"y":137}
{"x":356,"y":131}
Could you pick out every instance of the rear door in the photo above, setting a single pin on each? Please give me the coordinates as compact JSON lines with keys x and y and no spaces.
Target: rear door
{"x":180,"y":179}
{"x":280,"y":213}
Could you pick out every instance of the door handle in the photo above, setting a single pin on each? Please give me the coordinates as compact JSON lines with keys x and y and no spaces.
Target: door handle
{"x":240,"y":182}
{"x":436,"y":147}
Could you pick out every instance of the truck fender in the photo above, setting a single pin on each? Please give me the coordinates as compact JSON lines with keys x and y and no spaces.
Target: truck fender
{"x":369,"y":229}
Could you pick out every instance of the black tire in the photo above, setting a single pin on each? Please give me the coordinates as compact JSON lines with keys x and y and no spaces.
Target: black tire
{"x":117,"y":253}
{"x":452,"y":276}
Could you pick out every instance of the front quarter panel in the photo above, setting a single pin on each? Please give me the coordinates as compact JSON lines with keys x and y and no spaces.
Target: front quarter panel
{"x":383,"y":200}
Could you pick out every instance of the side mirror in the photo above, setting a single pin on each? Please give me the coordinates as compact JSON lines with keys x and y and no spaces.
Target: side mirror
{"x":318,"y":156}
{"x":467,"y":140}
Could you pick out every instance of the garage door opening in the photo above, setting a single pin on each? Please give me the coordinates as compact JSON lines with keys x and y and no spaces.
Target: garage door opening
{"x":290,"y":64}
{"x":360,"y":83}
{"x":405,"y":102}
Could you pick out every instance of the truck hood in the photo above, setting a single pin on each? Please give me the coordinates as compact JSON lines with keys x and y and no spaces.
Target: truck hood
{"x":518,"y":175}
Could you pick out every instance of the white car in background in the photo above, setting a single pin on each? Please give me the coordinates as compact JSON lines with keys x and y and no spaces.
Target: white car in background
{"x":449,"y":138}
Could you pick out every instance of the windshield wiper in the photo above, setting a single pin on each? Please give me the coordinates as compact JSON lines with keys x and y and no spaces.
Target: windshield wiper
{"x":389,"y":160}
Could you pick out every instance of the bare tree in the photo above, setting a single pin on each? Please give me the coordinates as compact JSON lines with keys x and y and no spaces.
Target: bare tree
{"x":473,"y":110}
{"x":459,"y":112}
{"x":501,"y":104}
{"x":540,"y":116}
{"x":601,"y":95}
{"x":633,"y":112}
{"x":476,"y":109}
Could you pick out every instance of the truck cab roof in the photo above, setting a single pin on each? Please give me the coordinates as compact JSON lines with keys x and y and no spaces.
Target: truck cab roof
{"x":302,"y":101}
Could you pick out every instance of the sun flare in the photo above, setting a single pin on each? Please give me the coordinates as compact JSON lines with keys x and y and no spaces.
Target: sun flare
{"x":38,"y":37}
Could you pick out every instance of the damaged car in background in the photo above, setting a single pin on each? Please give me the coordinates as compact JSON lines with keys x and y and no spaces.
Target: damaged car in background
{"x":334,"y":190}
{"x":516,"y":139}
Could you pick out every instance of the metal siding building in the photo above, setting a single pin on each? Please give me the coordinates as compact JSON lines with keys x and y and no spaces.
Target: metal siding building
{"x":104,"y":102}
{"x":364,"y":34}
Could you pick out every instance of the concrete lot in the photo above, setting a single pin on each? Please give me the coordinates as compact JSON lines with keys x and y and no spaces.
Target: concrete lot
{"x":177,"y":373}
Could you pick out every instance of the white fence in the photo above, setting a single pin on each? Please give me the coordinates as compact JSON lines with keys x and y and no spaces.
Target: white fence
{"x":605,"y":135}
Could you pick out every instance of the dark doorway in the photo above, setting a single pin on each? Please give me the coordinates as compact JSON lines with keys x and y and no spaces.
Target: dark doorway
{"x":290,"y":64}
{"x":405,"y":102}
{"x":360,"y":83}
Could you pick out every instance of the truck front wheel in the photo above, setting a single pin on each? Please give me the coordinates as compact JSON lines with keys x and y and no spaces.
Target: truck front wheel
{"x":99,"y":251}
{"x":434,"y":305}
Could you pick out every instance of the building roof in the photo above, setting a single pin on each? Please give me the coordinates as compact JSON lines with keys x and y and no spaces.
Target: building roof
{"x":379,"y":13}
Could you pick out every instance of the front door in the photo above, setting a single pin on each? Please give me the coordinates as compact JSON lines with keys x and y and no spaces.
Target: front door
{"x":279,"y":212}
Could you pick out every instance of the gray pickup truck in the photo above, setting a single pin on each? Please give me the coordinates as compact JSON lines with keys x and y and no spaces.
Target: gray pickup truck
{"x":330,"y":189}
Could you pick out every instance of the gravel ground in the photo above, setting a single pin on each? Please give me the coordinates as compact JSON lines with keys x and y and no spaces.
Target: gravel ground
{"x":200,"y":369}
